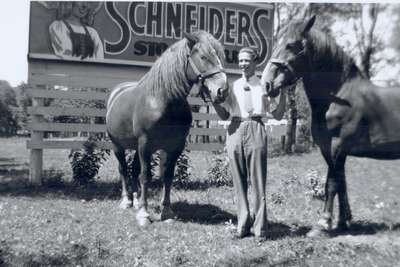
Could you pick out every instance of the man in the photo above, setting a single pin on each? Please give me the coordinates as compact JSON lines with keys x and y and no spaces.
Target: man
{"x":246,"y":105}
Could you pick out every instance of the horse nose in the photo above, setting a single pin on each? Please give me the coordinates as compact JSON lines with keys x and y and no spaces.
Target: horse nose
{"x":219,"y":92}
{"x":268,"y":87}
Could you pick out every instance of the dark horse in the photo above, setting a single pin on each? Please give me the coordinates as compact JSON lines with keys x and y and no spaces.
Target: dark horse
{"x":350,"y":115}
{"x":154,"y":114}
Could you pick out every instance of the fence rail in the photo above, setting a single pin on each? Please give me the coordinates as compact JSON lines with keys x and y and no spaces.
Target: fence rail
{"x":43,"y":116}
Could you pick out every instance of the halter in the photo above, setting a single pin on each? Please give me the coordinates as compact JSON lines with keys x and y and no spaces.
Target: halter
{"x":287,"y":65}
{"x":201,"y":76}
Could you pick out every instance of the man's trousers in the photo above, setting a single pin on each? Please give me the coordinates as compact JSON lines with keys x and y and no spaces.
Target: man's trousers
{"x":247,"y":151}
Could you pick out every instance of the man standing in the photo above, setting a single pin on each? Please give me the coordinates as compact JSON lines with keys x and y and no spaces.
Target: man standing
{"x":246,"y":105}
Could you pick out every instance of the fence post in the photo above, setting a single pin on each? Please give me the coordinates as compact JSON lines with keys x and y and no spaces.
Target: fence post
{"x":36,"y":155}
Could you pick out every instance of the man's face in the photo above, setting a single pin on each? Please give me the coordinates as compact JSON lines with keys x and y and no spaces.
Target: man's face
{"x":247,"y":64}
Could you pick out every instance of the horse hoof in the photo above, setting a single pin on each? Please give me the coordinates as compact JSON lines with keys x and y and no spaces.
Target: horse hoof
{"x":135,"y":203}
{"x":318,"y":233}
{"x":325,"y":224}
{"x":125,"y":204}
{"x":143,"y":222}
{"x":143,"y":217}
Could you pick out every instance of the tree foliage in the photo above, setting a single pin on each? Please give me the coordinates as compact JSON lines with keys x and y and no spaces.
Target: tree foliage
{"x":8,"y":103}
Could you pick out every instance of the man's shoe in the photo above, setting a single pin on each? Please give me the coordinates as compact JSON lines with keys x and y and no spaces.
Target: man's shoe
{"x":260,"y":239}
{"x":240,"y":235}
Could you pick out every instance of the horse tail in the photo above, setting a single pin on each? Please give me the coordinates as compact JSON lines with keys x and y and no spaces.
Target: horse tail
{"x":117,"y":90}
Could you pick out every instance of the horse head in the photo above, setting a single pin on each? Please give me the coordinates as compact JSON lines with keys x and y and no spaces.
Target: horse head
{"x":290,"y":57}
{"x":338,"y":113}
{"x":205,"y":68}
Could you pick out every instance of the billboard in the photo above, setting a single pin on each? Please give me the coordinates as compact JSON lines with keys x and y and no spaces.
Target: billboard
{"x":136,"y":33}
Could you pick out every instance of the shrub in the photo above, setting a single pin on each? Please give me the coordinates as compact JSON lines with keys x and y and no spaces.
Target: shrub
{"x":315,"y":186}
{"x":303,"y":144}
{"x":8,"y":123}
{"x":182,"y":168}
{"x":86,"y":162}
{"x":219,"y":173}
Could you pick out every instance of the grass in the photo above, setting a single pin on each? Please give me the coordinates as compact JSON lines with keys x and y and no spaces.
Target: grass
{"x":65,"y":226}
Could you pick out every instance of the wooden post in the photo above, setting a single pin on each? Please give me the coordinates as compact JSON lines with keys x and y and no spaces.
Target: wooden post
{"x":36,"y":155}
{"x":283,"y":142}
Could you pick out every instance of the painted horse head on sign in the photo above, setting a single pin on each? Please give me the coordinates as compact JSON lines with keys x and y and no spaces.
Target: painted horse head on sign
{"x":154,"y":114}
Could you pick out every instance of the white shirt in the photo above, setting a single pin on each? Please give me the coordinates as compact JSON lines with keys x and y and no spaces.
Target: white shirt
{"x":235,"y":102}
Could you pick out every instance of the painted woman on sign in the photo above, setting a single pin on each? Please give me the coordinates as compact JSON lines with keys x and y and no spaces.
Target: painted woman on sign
{"x":71,"y":35}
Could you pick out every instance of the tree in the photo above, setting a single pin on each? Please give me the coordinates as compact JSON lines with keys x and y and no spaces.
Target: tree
{"x":284,"y":14}
{"x":362,"y":19}
{"x":8,"y":103}
{"x":367,"y":41}
{"x":7,"y":94}
{"x":23,"y":101}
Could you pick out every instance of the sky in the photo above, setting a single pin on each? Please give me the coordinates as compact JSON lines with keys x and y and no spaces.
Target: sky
{"x":14,"y":30}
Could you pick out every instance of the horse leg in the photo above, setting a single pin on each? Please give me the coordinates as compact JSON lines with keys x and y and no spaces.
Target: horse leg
{"x":167,"y":168}
{"x":135,"y":175}
{"x":145,"y":172}
{"x":330,"y":193}
{"x":122,"y":167}
{"x":339,"y":155}
{"x":344,"y":206}
{"x":325,"y":223}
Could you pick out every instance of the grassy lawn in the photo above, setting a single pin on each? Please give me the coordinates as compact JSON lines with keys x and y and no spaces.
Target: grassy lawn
{"x":65,"y":226}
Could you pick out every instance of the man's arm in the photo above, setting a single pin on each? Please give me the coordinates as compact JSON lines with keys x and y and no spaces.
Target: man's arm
{"x":221,"y":111}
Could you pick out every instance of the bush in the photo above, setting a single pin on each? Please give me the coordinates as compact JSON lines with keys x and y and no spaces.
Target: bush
{"x":303,"y":144}
{"x":315,"y":186}
{"x":8,"y":124}
{"x":182,"y":168}
{"x":87,"y":162}
{"x":219,"y":173}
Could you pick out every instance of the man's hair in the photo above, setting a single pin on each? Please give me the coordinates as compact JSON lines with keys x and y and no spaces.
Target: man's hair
{"x":253,"y":53}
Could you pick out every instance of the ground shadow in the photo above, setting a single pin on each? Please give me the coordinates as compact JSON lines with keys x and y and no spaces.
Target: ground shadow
{"x":99,"y":191}
{"x":201,"y":213}
{"x":15,"y":185}
{"x":73,"y":255}
{"x":367,"y":228}
{"x":279,"y":230}
{"x":15,"y":182}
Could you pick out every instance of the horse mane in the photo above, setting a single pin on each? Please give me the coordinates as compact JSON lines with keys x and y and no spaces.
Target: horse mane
{"x":326,"y":50}
{"x":167,"y":76}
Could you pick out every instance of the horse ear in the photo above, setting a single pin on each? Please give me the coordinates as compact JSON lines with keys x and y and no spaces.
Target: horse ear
{"x":192,"y":40}
{"x":308,"y":25}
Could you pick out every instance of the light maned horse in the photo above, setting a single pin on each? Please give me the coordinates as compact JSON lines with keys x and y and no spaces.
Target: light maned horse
{"x":155,"y":114}
{"x":350,"y":115}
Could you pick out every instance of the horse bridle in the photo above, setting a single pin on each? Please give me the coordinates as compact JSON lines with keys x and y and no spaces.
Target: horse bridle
{"x":201,"y":77}
{"x":286,"y":64}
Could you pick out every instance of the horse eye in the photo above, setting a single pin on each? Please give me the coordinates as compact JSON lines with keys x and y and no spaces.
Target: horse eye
{"x":289,"y":46}
{"x":203,"y":57}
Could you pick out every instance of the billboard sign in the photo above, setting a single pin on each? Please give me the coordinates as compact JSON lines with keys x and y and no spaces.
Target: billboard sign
{"x":137,"y":33}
